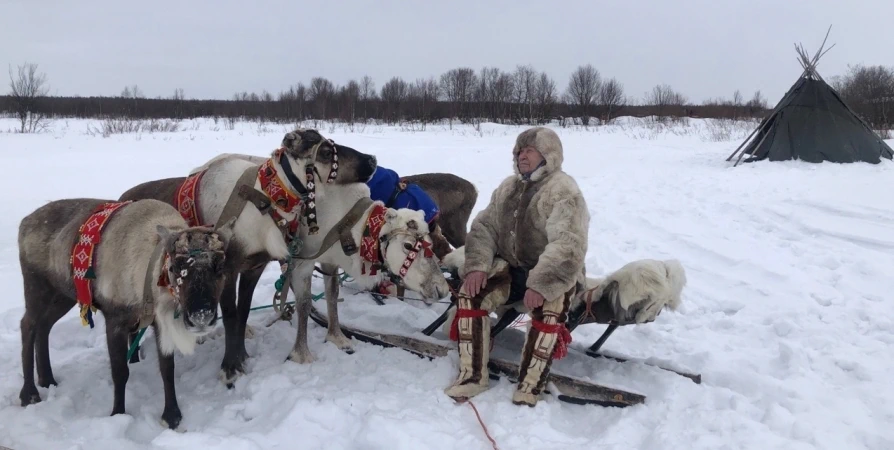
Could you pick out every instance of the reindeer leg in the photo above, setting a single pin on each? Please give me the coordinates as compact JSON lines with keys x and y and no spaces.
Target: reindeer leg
{"x":38,"y":295}
{"x":171,"y":415}
{"x":116,"y":340}
{"x":334,"y":333}
{"x":234,"y":351}
{"x":28,"y":395}
{"x":54,"y":311}
{"x":248,"y":280}
{"x":301,"y":278}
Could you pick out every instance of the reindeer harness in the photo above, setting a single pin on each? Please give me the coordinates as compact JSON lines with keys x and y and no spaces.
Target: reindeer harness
{"x":83,"y":257}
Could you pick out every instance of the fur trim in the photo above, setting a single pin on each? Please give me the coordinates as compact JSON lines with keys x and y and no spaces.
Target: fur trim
{"x":547,"y":142}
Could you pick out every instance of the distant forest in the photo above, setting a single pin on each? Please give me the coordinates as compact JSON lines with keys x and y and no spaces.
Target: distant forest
{"x":521,"y":96}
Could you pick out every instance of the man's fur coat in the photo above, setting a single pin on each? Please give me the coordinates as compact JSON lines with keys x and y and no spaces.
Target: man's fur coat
{"x":538,"y":223}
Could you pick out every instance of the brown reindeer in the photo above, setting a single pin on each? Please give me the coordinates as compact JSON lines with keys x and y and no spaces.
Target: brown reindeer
{"x":148,"y":268}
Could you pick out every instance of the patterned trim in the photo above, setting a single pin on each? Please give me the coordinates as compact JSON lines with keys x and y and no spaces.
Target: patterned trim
{"x":281,"y":196}
{"x":83,"y":255}
{"x":187,"y":199}
{"x":369,"y":241}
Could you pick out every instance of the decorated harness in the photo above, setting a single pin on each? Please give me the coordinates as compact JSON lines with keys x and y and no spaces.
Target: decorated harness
{"x":83,"y":259}
{"x":373,"y":245}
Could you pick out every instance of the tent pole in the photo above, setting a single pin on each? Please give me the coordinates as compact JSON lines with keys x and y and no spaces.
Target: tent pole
{"x":746,"y":140}
{"x":755,"y":149}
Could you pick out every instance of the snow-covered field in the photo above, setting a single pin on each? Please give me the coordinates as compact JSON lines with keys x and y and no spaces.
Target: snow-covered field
{"x":788,"y":314}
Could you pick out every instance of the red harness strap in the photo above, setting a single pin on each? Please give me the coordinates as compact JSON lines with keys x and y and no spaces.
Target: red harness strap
{"x":187,"y":199}
{"x":83,"y":255}
{"x":369,"y":242}
{"x":464,"y":314}
{"x":280,"y":196}
{"x":564,"y":338}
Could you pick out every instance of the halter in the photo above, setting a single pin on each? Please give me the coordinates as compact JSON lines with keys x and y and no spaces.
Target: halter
{"x":420,"y":246}
{"x":173,"y":280}
{"x":308,"y":192}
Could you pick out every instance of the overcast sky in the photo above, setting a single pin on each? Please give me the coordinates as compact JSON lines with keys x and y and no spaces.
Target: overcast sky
{"x":212,"y":49}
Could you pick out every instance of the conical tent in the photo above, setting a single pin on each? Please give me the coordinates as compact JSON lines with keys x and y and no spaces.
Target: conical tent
{"x":812,"y":123}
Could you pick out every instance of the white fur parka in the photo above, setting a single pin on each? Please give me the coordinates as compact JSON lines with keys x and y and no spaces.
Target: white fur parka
{"x":539,"y":224}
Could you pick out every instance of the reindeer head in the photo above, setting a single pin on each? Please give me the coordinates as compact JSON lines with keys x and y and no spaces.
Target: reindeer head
{"x":407,"y":253}
{"x":196,"y":272}
{"x":332,"y":163}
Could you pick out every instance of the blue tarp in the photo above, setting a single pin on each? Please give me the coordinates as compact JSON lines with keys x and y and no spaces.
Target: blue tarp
{"x":384,"y":183}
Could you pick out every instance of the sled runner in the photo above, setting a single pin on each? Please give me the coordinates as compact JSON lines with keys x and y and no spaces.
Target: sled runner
{"x":570,"y":390}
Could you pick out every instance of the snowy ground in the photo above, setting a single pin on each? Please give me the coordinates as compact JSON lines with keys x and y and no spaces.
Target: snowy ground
{"x":787,"y":314}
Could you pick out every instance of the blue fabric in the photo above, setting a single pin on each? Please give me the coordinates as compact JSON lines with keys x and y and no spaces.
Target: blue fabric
{"x":383,"y":184}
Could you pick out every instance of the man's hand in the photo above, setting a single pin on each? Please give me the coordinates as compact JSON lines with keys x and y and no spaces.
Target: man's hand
{"x":533,"y":299}
{"x":475,"y":282}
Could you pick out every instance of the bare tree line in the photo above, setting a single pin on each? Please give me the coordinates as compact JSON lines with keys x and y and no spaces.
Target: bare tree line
{"x":520,"y":96}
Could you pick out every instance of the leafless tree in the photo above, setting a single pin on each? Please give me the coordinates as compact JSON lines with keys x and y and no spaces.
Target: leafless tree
{"x":179,"y":94}
{"x":503,"y":91}
{"x":869,"y":90}
{"x":367,"y":93}
{"x":546,"y":97}
{"x":132,"y":92}
{"x":582,"y":89}
{"x":424,"y":94}
{"x":664,"y":101}
{"x":27,"y":88}
{"x":394,"y":94}
{"x":352,"y":97}
{"x":611,"y":98}
{"x":525,"y":81}
{"x":320,"y":92}
{"x":458,"y":86}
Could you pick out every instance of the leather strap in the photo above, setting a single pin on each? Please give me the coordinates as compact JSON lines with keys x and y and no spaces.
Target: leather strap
{"x":342,"y":230}
{"x":147,"y":316}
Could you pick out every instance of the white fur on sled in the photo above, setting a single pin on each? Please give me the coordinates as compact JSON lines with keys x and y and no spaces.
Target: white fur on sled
{"x":645,"y":287}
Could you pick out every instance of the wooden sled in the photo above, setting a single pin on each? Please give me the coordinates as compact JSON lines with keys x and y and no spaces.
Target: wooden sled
{"x":570,"y":389}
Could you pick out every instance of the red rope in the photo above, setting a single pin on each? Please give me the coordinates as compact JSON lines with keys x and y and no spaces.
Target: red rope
{"x":483,"y":427}
{"x":564,"y":337}
{"x":464,"y":314}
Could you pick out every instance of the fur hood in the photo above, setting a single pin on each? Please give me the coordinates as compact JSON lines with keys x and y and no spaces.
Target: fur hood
{"x":547,"y":142}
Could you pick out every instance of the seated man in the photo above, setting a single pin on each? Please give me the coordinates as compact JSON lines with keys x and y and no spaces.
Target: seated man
{"x":537,"y":222}
{"x":386,"y":185}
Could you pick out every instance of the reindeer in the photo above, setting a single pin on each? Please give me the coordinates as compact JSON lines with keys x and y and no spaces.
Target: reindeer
{"x":144,"y":244}
{"x":258,"y":239}
{"x":376,"y":243}
{"x":454,"y":195}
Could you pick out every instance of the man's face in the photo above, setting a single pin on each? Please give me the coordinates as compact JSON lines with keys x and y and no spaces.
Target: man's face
{"x":528,"y":159}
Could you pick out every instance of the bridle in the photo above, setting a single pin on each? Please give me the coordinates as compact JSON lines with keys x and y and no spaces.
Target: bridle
{"x":308,"y":191}
{"x":421,"y":245}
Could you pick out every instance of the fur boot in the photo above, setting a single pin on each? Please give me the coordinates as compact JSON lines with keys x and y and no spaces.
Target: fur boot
{"x":545,"y":340}
{"x":473,"y":335}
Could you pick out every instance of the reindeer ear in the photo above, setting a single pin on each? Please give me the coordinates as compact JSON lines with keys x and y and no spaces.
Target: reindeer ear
{"x":225,"y":232}
{"x":412,"y":225}
{"x":289,"y":140}
{"x":391,"y":214}
{"x":168,"y":237}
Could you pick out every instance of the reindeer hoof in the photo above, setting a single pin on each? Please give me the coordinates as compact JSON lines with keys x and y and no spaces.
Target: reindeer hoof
{"x":302,"y":357}
{"x":343,"y":343}
{"x":29,"y":397}
{"x":47,"y":383}
{"x":171,"y":418}
{"x":229,"y":375}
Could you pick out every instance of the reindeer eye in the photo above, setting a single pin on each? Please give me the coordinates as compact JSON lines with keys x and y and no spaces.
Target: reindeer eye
{"x":408,"y":246}
{"x":326,"y":153}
